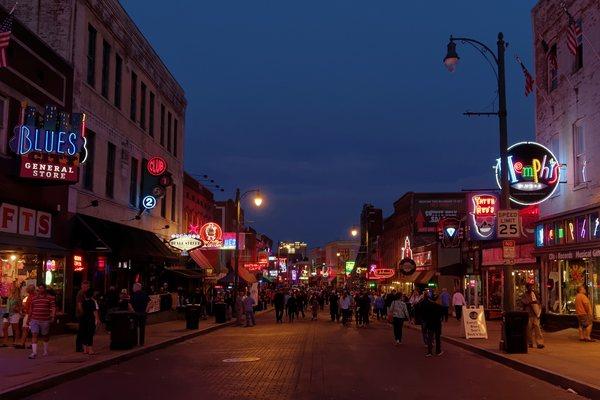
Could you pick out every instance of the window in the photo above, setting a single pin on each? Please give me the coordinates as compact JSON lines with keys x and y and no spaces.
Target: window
{"x":105,"y":67}
{"x":133,"y":103}
{"x":579,"y":160}
{"x":144,"y":166}
{"x":163,"y":206}
{"x":91,"y":56}
{"x":552,"y":65}
{"x":151,"y":116}
{"x":88,"y":167}
{"x":110,"y":170}
{"x":169,"y":118}
{"x":173,"y":203}
{"x":143,"y":106}
{"x":162,"y":124}
{"x":133,"y":184}
{"x":578,"y":59}
{"x":118,"y":77}
{"x":175,"y":128}
{"x":555,"y":148}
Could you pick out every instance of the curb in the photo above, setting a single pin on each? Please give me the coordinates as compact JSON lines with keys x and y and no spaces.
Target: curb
{"x":554,"y":378}
{"x":30,"y":388}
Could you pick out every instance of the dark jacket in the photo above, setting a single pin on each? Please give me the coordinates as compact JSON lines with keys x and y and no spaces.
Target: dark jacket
{"x":431,"y":313}
{"x":279,"y":300}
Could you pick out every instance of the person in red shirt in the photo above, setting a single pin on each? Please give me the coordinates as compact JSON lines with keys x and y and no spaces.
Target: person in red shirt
{"x":42,"y":313}
{"x":26,"y":314}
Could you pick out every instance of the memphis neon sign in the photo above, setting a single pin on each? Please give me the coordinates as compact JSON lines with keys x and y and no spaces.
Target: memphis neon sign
{"x":533,"y":173}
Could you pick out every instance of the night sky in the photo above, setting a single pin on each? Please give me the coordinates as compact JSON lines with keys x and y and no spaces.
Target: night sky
{"x":326,"y":105}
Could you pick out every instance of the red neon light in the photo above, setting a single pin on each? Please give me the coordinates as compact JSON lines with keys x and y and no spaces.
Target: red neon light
{"x":156,"y":166}
{"x":101,"y":264}
{"x":77,"y":263}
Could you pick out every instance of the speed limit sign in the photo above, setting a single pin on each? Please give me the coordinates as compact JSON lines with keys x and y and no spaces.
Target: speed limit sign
{"x":509,"y":226}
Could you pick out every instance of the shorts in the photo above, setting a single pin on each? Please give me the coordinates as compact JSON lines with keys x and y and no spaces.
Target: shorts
{"x":584,"y":320}
{"x":14,"y":318}
{"x":39,"y":327}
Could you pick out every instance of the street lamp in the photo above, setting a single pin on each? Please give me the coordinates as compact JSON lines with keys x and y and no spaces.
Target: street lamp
{"x":354,"y":232}
{"x":450,"y":61}
{"x":258,"y":200}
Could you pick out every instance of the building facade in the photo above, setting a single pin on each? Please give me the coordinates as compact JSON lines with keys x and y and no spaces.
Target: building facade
{"x":198,"y":203}
{"x":567,"y":122}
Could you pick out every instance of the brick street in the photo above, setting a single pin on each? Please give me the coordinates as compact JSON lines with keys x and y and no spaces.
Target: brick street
{"x":306,"y":360}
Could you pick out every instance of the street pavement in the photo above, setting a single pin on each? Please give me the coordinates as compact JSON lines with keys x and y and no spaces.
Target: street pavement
{"x":306,"y":360}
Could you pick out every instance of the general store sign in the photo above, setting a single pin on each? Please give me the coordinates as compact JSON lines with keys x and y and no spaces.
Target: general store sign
{"x":533,"y":173}
{"x":25,"y":221}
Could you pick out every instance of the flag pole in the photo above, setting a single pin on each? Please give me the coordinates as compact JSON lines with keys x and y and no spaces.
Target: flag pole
{"x":12,"y":10}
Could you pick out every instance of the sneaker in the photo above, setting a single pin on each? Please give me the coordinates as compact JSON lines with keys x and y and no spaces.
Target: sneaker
{"x":439,"y":354}
{"x":32,"y":356}
{"x":540,"y":346}
{"x":428,"y":355}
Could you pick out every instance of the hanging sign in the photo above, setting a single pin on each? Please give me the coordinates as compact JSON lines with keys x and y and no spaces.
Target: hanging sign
{"x":483,"y":212}
{"x":50,"y":146}
{"x":450,"y":232}
{"x":350,"y":267}
{"x":185,"y":241}
{"x":407,"y":265}
{"x":211,"y":235}
{"x":533,"y":173}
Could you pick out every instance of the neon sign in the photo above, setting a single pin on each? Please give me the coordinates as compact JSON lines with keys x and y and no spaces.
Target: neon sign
{"x":185,"y":242}
{"x":349,"y":267}
{"x":483,"y":210}
{"x":211,"y":235}
{"x":156,"y":166}
{"x":380,"y":273}
{"x":533,"y":173}
{"x":407,"y":265}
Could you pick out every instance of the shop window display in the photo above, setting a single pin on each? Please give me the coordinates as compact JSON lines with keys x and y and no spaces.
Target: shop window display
{"x":494,"y":287}
{"x":565,"y":277}
{"x":522,"y":277}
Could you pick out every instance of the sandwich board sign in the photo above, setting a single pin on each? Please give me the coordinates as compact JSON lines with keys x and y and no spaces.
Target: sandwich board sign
{"x":474,"y":322}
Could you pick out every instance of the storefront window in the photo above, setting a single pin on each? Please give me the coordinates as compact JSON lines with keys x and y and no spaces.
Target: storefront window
{"x":472,"y":288}
{"x":565,"y":276}
{"x":494,"y":287}
{"x":522,"y":277}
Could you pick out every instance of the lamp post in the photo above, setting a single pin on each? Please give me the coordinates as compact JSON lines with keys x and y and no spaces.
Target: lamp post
{"x":258,"y":200}
{"x":450,"y":61}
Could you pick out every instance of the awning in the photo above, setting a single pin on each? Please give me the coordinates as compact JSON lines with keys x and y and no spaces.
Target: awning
{"x":243,"y":273}
{"x":410,"y":278}
{"x":201,"y":260}
{"x":187,"y":273}
{"x":29,"y":244}
{"x":425,"y":277}
{"x":125,"y":242}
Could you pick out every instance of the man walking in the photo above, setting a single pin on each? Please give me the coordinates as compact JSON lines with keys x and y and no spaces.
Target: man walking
{"x":334,"y":310}
{"x":279,"y":303}
{"x":345,"y":303}
{"x":43,"y":311}
{"x":85,"y":285}
{"x":583,"y":308}
{"x":532,"y":306}
{"x":249,"y":310}
{"x":458,"y":301}
{"x":139,"y":303}
{"x":445,"y":302}
{"x":432,"y":314}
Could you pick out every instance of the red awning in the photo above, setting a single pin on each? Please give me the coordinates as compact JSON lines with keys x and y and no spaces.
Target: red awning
{"x":246,"y":275}
{"x":201,"y":260}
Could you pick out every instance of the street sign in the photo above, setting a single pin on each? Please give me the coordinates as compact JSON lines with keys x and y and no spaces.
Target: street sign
{"x":509,"y":249}
{"x":509,"y":226}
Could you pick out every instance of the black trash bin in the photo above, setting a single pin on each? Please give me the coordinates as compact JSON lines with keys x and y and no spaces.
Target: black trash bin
{"x":515,"y":331}
{"x":123,"y":330}
{"x":220,"y":313}
{"x":192,"y":316}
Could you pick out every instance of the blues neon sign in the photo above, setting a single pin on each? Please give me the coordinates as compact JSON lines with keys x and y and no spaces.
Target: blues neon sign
{"x":533,"y":173}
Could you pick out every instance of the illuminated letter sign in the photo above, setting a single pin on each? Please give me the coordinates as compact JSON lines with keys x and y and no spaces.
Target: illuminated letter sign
{"x":407,"y":265}
{"x":157,"y":166}
{"x":483,"y":214}
{"x":185,"y":242}
{"x":211,"y":235}
{"x":533,"y":173}
{"x":52,"y":149}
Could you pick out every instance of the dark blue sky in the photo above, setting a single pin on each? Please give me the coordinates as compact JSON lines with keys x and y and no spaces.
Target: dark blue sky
{"x":326,"y":105}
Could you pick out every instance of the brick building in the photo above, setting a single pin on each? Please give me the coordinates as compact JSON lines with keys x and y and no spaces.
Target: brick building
{"x":567,"y":122}
{"x":198,"y":203}
{"x":135,"y":110}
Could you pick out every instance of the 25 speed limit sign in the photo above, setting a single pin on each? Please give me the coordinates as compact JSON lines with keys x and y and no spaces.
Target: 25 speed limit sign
{"x":509,"y":226}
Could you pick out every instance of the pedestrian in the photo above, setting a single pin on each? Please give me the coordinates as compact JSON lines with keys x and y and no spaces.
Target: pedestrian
{"x":458,"y":301}
{"x":583,"y":308}
{"x":334,"y":309}
{"x":79,"y":298}
{"x":43,"y":311}
{"x":12,"y":316}
{"x":279,"y":303}
{"x":418,"y":315}
{"x":26,"y":312}
{"x":379,"y":305}
{"x":314,"y":306}
{"x":291,"y":306}
{"x":345,"y":304}
{"x":398,"y":313}
{"x":432,"y":314}
{"x":249,"y":310}
{"x":239,"y":308}
{"x":531,"y":304}
{"x":139,"y":304}
{"x":89,"y":321}
{"x":445,"y":302}
{"x":365,"y":309}
{"x":124,"y":301}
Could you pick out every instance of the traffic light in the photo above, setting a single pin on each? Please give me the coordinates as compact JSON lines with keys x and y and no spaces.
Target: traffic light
{"x":155,"y":180}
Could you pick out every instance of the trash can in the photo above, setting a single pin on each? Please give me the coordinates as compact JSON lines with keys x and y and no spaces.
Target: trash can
{"x":192,"y":316}
{"x":515,"y":331}
{"x":123,"y":330}
{"x":220,"y":313}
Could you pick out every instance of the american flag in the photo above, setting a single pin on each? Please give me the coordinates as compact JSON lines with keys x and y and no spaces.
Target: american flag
{"x":529,"y":81}
{"x":5,"y":28}
{"x":573,"y":33}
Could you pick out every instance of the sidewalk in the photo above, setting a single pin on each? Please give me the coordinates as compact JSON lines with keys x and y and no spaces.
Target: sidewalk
{"x":22,"y":376}
{"x":565,"y":361}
